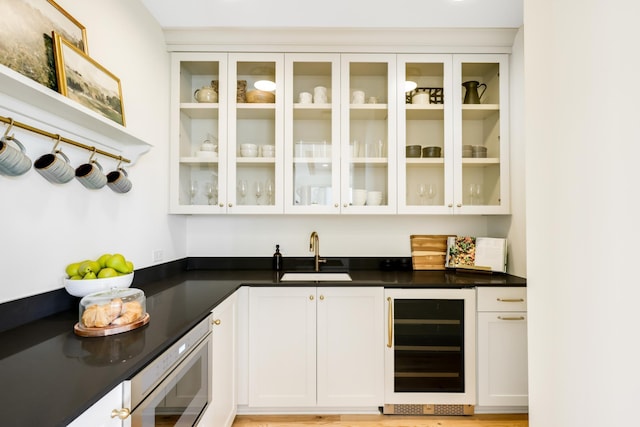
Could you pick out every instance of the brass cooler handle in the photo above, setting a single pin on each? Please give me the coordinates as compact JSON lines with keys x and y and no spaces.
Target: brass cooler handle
{"x":390,"y":323}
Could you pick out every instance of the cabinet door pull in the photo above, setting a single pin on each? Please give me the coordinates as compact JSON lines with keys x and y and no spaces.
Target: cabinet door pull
{"x":123,"y":413}
{"x":511,"y":318}
{"x":510,"y":299}
{"x":217,"y":322}
{"x":390,"y":323}
{"x":321,"y":297}
{"x":311,"y":297}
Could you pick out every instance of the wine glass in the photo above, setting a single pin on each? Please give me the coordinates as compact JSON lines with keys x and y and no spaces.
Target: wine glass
{"x":210,"y":191}
{"x":242,"y":189}
{"x":422,"y":190}
{"x":477,"y":192}
{"x":431,"y":193}
{"x":471,"y":191}
{"x":193,"y":190}
{"x":259,"y":189}
{"x":269,"y":189}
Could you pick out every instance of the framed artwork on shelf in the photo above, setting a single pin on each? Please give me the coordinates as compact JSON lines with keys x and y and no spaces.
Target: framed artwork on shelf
{"x":83,"y":80}
{"x":26,"y":45}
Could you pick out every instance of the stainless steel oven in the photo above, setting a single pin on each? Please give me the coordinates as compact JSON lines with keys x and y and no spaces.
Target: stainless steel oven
{"x":175,"y":389}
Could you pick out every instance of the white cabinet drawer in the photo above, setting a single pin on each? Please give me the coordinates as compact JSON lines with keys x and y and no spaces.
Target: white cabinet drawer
{"x":502,"y":299}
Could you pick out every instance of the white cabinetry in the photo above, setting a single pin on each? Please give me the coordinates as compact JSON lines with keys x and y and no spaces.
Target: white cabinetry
{"x":502,"y":349}
{"x":110,"y":411}
{"x":222,"y":410}
{"x":345,"y":153}
{"x":316,"y":347}
{"x":461,"y":179}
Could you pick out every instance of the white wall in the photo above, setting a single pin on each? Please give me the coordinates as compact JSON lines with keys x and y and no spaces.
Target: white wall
{"x":581,"y":103}
{"x":47,"y":226}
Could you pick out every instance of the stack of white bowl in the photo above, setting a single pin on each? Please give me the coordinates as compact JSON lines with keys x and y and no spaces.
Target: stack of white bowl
{"x":374,"y":198}
{"x":248,"y":150}
{"x":268,"y":150}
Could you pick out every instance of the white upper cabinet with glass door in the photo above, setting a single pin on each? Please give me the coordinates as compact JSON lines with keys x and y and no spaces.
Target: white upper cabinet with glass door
{"x":481,"y":133}
{"x":425,"y":140}
{"x":312,"y":133}
{"x":368,"y":133}
{"x":198,"y":133}
{"x":256,"y":149}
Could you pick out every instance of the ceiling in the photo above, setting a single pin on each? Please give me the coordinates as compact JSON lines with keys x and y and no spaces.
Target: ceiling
{"x":337,"y":13}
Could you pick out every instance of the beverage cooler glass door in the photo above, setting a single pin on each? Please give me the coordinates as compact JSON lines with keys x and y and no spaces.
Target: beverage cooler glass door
{"x":430,"y":354}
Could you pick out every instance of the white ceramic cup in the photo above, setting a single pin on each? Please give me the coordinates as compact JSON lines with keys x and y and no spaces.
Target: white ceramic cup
{"x":374,"y":198}
{"x":54,"y":168}
{"x":372,"y":100}
{"x":420,"y":98}
{"x":13,"y":161}
{"x":358,"y":197}
{"x":320,"y":95}
{"x":118,"y":181}
{"x":305,"y":98}
{"x":357,"y":97}
{"x":91,"y":176}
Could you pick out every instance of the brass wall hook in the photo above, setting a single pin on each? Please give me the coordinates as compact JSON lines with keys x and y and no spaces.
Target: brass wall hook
{"x":93,"y":153}
{"x":55,"y":146}
{"x":6,"y":132}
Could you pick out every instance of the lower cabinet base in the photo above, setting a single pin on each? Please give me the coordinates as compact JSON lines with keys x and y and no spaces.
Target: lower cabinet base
{"x":247,"y":410}
{"x":502,"y":409}
{"x":429,"y":409}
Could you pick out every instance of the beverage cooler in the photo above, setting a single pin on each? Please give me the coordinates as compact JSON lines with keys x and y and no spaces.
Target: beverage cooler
{"x":430,"y":351}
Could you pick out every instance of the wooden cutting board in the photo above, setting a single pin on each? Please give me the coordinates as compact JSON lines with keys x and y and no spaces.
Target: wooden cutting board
{"x":428,"y":251}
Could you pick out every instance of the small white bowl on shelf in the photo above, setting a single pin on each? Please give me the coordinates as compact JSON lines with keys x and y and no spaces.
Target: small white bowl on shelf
{"x":81,"y":288}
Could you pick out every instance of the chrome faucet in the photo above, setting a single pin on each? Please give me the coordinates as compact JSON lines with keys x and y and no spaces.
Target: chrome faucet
{"x":314,"y":246}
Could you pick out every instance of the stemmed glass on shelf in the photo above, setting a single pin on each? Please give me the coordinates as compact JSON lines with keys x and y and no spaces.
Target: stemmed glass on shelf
{"x":242,"y":190}
{"x":269,"y":189}
{"x":193,"y":190}
{"x":259,"y":189}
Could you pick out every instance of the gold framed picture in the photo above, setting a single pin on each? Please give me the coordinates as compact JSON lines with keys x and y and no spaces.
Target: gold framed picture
{"x":26,"y":45}
{"x":83,"y":80}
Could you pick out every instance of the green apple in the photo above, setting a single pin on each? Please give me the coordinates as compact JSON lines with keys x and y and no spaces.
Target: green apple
{"x":103,"y":260}
{"x":87,"y":267}
{"x":75,"y":277}
{"x":107,"y":272}
{"x":130,"y":266}
{"x":72,"y":269}
{"x":118,"y":263}
{"x":90,"y":275}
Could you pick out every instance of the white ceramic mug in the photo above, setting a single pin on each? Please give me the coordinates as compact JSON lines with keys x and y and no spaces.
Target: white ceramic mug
{"x":320,"y":95}
{"x":54,"y":168}
{"x":13,"y":161}
{"x":90,"y":175}
{"x":357,"y":97}
{"x":305,"y":98}
{"x":118,"y":181}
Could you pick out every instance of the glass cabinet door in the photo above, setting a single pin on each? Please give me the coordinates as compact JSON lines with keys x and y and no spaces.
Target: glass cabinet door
{"x":255,"y":153}
{"x":198,"y":127}
{"x":369,"y":135}
{"x":425,"y":147}
{"x":481,"y":133}
{"x":312,"y":133}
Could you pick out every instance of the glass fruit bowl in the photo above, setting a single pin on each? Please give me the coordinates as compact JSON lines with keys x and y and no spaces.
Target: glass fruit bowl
{"x":81,"y":288}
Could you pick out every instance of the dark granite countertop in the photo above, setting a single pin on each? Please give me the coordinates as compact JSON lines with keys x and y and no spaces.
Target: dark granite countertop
{"x":50,"y":375}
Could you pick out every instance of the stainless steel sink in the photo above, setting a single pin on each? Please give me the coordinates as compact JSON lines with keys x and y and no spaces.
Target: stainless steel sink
{"x":316,"y":276}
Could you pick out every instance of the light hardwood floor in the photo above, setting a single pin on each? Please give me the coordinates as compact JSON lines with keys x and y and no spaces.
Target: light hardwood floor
{"x":510,"y":420}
